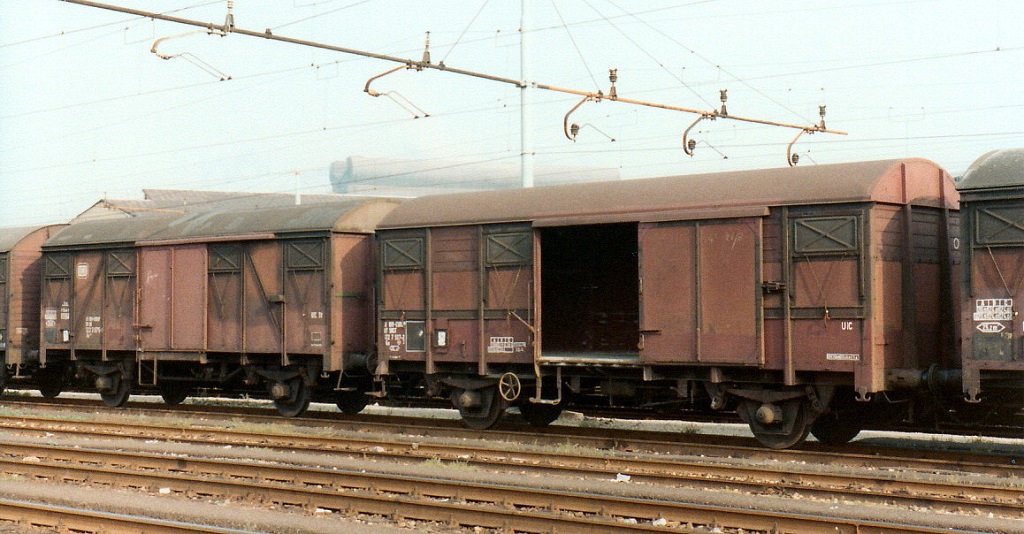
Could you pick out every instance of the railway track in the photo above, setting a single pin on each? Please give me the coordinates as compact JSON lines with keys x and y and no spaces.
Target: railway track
{"x":40,"y":515}
{"x":400,"y":443}
{"x":1000,"y":461}
{"x":908,"y":486}
{"x":440,"y":500}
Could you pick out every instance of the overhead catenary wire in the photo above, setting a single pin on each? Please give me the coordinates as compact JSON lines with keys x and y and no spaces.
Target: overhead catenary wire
{"x":466,"y":29}
{"x":104,"y":25}
{"x":420,"y":65}
{"x":576,"y":46}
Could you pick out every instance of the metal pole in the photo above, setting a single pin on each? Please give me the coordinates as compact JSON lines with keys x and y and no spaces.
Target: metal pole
{"x":525,"y":118}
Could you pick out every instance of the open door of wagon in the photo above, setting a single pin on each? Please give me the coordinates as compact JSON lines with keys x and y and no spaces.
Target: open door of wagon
{"x":700,"y":293}
{"x":589,"y":288}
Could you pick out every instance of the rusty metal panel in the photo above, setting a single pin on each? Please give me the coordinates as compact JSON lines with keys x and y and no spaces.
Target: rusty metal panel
{"x":87,"y":307}
{"x":188,"y":297}
{"x":825,"y":235}
{"x":56,"y":301}
{"x":402,"y":253}
{"x":224,"y":317}
{"x":509,"y":248}
{"x":729,"y":271}
{"x":997,"y":225}
{"x":455,"y":269}
{"x":825,"y":285}
{"x":479,"y":282}
{"x":5,"y":304}
{"x":701,"y":295}
{"x":352,"y":303}
{"x":403,"y":291}
{"x":668,"y":292}
{"x":22,"y":248}
{"x":263,"y":297}
{"x":826,"y":289}
{"x":997,"y":275}
{"x":403,"y":272}
{"x":509,"y":317}
{"x":172,"y":298}
{"x":305,"y":296}
{"x":89,"y":300}
{"x":118,"y":319}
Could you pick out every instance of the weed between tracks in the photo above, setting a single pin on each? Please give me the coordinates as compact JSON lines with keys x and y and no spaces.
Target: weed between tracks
{"x":457,"y":465}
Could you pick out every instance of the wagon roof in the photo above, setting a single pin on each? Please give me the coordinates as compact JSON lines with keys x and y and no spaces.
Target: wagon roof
{"x":347,"y":215}
{"x":725,"y":194}
{"x":994,"y":170}
{"x":10,"y":237}
{"x":219,"y":216}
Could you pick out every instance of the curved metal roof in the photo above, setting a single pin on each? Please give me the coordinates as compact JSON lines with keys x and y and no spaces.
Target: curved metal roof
{"x":914,"y":181}
{"x":347,"y":215}
{"x":996,"y":169}
{"x":121,"y":231}
{"x":10,"y":237}
{"x":259,"y":216}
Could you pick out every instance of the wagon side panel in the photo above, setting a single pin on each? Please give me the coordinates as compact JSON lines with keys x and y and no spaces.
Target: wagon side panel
{"x":172,"y":295}
{"x":305,"y":296}
{"x":402,"y":282}
{"x":701,"y":294}
{"x":224,"y":297}
{"x":263,"y":298}
{"x":352,"y":291}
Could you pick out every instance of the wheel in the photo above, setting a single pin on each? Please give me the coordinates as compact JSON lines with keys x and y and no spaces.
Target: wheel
{"x":779,"y":425}
{"x":540,"y":415}
{"x":51,"y":381}
{"x":351,"y":402}
{"x":117,"y":394}
{"x":3,"y":376}
{"x":296,"y":401}
{"x":480,"y":409}
{"x":836,"y":428}
{"x":173,"y":393}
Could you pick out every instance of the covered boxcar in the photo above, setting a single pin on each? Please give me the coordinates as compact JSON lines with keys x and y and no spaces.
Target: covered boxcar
{"x":992,"y":204}
{"x":249,"y":294}
{"x":20,"y":261}
{"x":784,"y":294}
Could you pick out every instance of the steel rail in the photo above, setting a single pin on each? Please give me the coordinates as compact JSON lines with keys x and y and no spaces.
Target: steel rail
{"x":455,"y":502}
{"x":700,"y":471}
{"x":639,"y":441}
{"x":60,"y":518}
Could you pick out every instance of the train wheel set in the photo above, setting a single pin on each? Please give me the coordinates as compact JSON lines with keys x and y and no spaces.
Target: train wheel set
{"x":818,"y":300}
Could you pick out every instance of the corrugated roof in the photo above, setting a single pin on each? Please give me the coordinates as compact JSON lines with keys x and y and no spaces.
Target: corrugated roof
{"x":996,"y":169}
{"x":878,"y":181}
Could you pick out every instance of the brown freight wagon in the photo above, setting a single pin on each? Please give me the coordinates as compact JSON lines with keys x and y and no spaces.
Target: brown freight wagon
{"x":782,"y":293}
{"x":20,"y":261}
{"x":250,"y":294}
{"x":992,"y":203}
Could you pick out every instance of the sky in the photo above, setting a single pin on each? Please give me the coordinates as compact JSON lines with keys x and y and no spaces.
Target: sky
{"x":88,"y":111}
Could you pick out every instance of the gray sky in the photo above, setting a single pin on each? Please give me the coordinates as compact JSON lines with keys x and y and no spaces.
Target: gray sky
{"x":87,"y":111}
